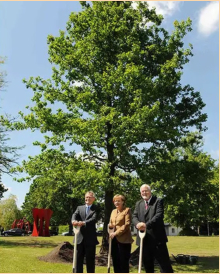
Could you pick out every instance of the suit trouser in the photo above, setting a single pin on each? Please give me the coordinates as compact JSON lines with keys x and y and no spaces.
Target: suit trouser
{"x":88,"y":251}
{"x":158,"y":252}
{"x":121,"y":253}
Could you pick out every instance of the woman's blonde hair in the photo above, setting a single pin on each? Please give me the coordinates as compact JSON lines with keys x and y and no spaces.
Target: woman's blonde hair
{"x":122,"y":197}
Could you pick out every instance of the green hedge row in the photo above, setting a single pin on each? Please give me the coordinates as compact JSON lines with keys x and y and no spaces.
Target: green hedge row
{"x":63,"y":228}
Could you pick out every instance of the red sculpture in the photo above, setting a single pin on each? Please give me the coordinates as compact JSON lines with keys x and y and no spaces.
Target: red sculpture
{"x":21,"y":223}
{"x":41,"y":221}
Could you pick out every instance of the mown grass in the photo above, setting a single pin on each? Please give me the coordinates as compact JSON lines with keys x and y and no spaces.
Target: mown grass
{"x":20,"y":254}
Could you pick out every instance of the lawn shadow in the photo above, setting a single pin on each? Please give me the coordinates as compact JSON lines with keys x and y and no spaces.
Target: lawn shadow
{"x":206,"y":264}
{"x":33,"y":243}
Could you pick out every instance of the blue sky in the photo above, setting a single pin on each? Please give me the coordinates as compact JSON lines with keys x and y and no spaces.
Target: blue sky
{"x":24,"y":27}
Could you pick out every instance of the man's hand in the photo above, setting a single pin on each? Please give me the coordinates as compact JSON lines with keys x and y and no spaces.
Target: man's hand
{"x":80,"y":223}
{"x":75,"y":223}
{"x":141,"y":226}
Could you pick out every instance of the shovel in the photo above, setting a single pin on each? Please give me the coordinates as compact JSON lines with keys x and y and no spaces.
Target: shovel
{"x":110,"y":230}
{"x":141,"y":235}
{"x":76,"y":231}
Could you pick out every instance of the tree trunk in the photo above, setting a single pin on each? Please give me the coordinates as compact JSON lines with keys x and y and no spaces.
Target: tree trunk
{"x":208,"y":227}
{"x":108,"y":210}
{"x":110,"y":189}
{"x":70,"y":228}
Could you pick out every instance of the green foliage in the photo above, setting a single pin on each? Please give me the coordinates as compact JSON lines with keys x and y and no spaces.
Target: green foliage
{"x":8,"y":154}
{"x":53,"y":194}
{"x":2,"y":189}
{"x":188,"y":181}
{"x":188,"y":232}
{"x":115,"y":91}
{"x":63,"y":228}
{"x":100,"y":229}
{"x":9,"y":212}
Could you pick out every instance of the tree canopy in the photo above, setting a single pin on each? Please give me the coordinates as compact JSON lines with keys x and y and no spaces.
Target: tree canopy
{"x":9,"y":212}
{"x":187,"y":179}
{"x":115,"y":91}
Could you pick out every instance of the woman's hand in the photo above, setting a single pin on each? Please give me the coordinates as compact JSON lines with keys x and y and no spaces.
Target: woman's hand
{"x":110,"y":226}
{"x":112,"y":235}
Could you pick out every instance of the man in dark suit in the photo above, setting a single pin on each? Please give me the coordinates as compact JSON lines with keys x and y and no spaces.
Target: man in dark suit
{"x":85,"y":216}
{"x":148,"y":215}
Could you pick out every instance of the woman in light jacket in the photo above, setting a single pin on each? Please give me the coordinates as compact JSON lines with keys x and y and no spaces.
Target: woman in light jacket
{"x":120,"y":220}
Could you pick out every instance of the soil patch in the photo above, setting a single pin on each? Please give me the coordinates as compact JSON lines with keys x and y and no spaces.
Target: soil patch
{"x":63,"y":253}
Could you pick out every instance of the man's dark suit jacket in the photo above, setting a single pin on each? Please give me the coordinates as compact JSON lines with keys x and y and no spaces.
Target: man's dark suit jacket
{"x":87,"y":231}
{"x":153,"y":218}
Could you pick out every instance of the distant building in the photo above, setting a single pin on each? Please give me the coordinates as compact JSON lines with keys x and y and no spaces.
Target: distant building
{"x":172,"y":230}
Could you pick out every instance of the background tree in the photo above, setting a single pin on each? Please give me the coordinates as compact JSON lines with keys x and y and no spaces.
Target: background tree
{"x":8,"y":154}
{"x":58,"y":197}
{"x":55,"y":183}
{"x":116,"y":77}
{"x":187,"y":179}
{"x":9,"y":212}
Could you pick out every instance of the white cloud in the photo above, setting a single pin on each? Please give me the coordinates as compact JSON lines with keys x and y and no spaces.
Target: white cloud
{"x":77,"y":84}
{"x":79,"y":154}
{"x":84,"y":157}
{"x":209,"y":19}
{"x":166,"y":8}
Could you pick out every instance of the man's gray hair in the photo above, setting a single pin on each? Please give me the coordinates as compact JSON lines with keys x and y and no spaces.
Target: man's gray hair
{"x":91,"y":192}
{"x":145,"y":185}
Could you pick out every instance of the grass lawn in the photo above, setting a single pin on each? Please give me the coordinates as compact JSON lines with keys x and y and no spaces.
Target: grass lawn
{"x":20,"y":254}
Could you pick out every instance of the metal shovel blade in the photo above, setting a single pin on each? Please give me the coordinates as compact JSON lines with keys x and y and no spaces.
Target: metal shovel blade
{"x":141,"y":235}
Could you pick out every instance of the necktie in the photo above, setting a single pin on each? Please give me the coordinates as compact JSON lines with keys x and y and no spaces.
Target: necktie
{"x":87,"y":210}
{"x":146,"y":205}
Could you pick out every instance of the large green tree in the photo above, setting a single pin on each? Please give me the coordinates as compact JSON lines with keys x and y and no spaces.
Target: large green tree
{"x":187,"y":178}
{"x":115,"y":90}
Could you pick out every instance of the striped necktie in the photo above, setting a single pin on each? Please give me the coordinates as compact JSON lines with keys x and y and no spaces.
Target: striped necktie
{"x":146,"y":205}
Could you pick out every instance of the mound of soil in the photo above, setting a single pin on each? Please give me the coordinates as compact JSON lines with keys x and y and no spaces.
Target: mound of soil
{"x":63,"y":253}
{"x":102,"y":260}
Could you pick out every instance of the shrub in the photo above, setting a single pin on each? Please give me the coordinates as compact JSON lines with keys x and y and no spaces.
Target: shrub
{"x":63,"y":228}
{"x":188,"y":232}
